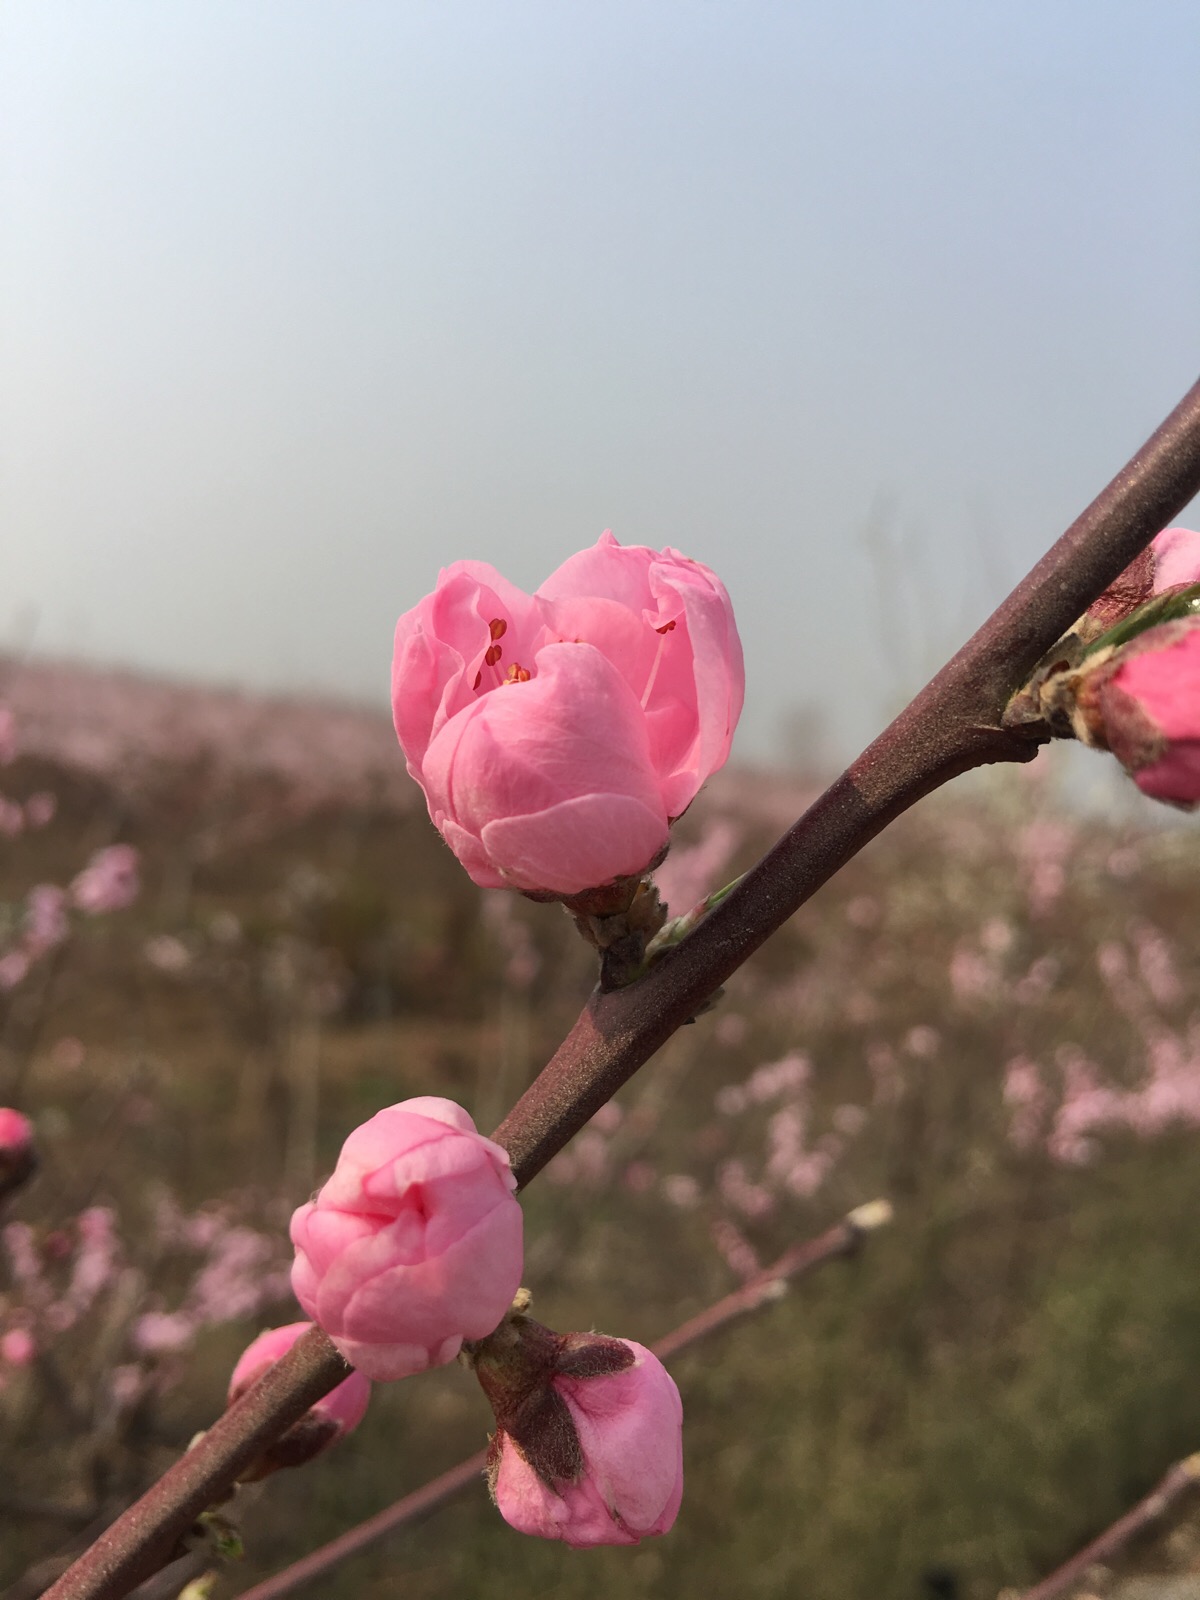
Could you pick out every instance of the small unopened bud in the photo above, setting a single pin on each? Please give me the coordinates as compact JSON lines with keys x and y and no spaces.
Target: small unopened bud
{"x":1143,"y":704}
{"x":18,"y":1157}
{"x":588,"y":1445}
{"x":324,"y":1423}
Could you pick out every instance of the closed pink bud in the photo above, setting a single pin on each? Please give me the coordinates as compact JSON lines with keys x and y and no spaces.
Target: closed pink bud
{"x":327,"y":1420}
{"x":590,"y":1448}
{"x":557,"y":735}
{"x":1147,"y":700}
{"x":415,"y":1242}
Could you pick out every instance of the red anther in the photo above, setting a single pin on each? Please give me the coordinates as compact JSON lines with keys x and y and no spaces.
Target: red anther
{"x":497,"y":627}
{"x":493,"y":654}
{"x":667,"y":627}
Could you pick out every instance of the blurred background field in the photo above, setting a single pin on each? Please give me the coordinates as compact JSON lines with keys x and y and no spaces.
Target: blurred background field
{"x":992,"y":1018}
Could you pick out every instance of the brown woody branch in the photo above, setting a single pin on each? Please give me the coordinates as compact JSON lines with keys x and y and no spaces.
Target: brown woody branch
{"x":954,"y":724}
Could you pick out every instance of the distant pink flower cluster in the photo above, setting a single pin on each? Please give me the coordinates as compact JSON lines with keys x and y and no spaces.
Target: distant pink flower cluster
{"x":109,"y":882}
{"x":44,"y":927}
{"x":1063,"y":1111}
{"x":240,"y":1272}
{"x":557,"y":735}
{"x":15,"y":815}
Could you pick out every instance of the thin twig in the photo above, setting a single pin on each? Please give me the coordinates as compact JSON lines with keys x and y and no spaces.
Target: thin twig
{"x":1175,"y":1483}
{"x":954,"y":724}
{"x":764,"y":1288}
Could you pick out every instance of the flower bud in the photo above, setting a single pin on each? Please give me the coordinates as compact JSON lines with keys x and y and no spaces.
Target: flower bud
{"x":326,"y":1421}
{"x":415,"y":1242}
{"x":557,"y":735}
{"x":588,"y":1445}
{"x":18,"y":1157}
{"x":1143,"y":704}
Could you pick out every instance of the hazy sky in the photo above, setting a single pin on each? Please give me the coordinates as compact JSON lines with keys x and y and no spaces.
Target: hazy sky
{"x":858,"y":303}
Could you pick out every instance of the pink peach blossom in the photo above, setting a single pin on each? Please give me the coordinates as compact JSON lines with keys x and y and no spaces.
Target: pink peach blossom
{"x":557,"y":735}
{"x":414,"y":1244}
{"x":328,"y":1419}
{"x":1148,"y":699}
{"x":629,"y":1480}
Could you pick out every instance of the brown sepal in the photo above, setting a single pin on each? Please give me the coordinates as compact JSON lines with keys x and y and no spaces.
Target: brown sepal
{"x":593,"y":1355}
{"x":543,"y":1431}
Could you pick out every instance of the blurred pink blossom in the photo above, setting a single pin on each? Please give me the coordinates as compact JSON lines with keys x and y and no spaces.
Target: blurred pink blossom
{"x":12,"y":818}
{"x":734,"y":1248}
{"x":688,"y":875}
{"x":864,"y":911}
{"x":17,"y":1347}
{"x":46,"y":922}
{"x":163,"y":1332}
{"x":14,"y":969}
{"x":680,"y":1190}
{"x":109,"y":882}
{"x":167,"y":953}
{"x":923,"y":1041}
{"x":638,"y":1177}
{"x":731,"y":1029}
{"x":734,"y":1185}
{"x":40,"y":809}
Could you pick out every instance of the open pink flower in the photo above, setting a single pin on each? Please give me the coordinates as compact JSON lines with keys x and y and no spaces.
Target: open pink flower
{"x":414,"y":1244}
{"x":325,"y":1422}
{"x":623,"y":1480}
{"x":557,"y":735}
{"x":1146,"y":704}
